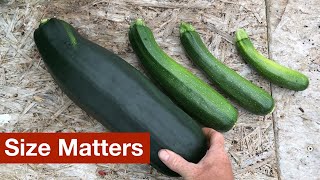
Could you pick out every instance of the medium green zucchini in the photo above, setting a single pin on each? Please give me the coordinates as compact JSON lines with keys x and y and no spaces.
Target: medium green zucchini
{"x":116,"y":94}
{"x":274,"y":72}
{"x":194,"y":96}
{"x":248,"y":95}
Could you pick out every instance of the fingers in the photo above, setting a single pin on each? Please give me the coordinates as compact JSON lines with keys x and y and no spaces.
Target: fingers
{"x":215,"y":138}
{"x":214,"y":165}
{"x":176,"y":163}
{"x":209,"y":133}
{"x":216,"y":147}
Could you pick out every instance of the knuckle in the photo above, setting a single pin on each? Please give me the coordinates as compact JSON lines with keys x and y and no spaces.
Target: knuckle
{"x":219,"y":137}
{"x":197,"y":171}
{"x":175,"y":162}
{"x":212,"y":131}
{"x":206,"y":165}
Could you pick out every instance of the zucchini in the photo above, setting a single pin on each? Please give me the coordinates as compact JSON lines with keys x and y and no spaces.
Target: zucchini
{"x":194,"y":96}
{"x":116,"y":94}
{"x":274,"y":72}
{"x":248,"y":95}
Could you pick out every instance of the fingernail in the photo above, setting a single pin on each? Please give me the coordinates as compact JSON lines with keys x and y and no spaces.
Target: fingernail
{"x":163,"y":155}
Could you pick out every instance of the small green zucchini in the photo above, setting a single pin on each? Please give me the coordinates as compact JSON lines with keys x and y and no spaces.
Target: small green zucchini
{"x":248,"y":95}
{"x":274,"y":72}
{"x":194,"y":96}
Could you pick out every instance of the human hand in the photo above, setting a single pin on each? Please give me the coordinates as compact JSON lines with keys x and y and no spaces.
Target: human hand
{"x":215,"y":165}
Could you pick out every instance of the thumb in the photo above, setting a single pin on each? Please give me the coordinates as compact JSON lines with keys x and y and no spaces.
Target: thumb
{"x":175,"y":162}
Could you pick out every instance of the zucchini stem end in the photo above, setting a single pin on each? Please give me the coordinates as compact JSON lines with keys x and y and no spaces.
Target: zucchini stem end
{"x":241,"y":34}
{"x":44,"y":21}
{"x":184,"y":27}
{"x":139,"y":22}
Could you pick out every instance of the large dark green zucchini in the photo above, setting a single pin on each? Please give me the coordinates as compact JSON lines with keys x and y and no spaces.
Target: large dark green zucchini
{"x":116,"y":94}
{"x":195,"y":96}
{"x":248,"y":95}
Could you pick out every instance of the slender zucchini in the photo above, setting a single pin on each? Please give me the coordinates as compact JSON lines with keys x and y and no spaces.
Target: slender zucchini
{"x":274,"y":72}
{"x":248,"y":95}
{"x":194,"y":96}
{"x":115,"y":93}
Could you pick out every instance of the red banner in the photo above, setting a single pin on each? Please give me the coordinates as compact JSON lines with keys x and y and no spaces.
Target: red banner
{"x":75,"y":148}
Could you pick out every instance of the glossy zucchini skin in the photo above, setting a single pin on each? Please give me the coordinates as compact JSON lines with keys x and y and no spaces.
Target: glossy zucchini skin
{"x":245,"y":93}
{"x":274,"y":72}
{"x":116,"y":94}
{"x":194,"y":96}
